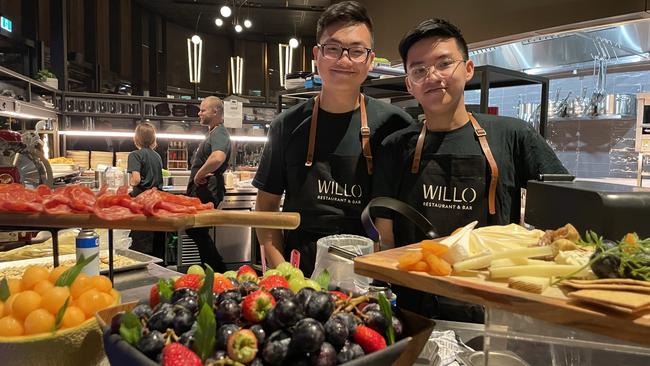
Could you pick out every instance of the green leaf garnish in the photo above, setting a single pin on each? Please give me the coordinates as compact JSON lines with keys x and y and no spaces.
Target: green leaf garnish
{"x":165,"y":289}
{"x":68,"y":277}
{"x":206,"y":332}
{"x":386,"y":309}
{"x":206,"y":295}
{"x":59,"y":315}
{"x":131,"y":328}
{"x":323,"y":279}
{"x":4,"y":289}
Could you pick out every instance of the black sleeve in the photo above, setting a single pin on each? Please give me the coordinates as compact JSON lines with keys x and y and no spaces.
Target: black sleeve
{"x":134,"y":164}
{"x":536,"y":157}
{"x":270,"y":176}
{"x":385,"y":178}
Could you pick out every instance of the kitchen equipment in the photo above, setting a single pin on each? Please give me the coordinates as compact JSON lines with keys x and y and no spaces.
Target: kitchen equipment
{"x":494,"y":358}
{"x":607,"y":106}
{"x":625,"y":104}
{"x":178,"y":110}
{"x":22,"y":161}
{"x":558,"y":108}
{"x":579,"y":106}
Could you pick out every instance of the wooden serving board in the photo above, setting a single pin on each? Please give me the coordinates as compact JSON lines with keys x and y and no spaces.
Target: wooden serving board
{"x":552,"y":306}
{"x":274,"y":220}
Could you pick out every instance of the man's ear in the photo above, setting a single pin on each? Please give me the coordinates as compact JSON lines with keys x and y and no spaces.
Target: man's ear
{"x":408,"y":85}
{"x":371,"y":58}
{"x":314,"y":51}
{"x":469,"y":70}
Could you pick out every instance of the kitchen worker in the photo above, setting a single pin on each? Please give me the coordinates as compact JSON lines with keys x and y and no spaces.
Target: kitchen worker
{"x":145,"y":167}
{"x":320,"y":153}
{"x":456,"y":167}
{"x":206,"y":176}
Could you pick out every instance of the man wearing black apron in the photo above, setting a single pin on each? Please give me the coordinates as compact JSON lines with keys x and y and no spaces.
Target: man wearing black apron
{"x":319,"y":153}
{"x":455,"y":167}
{"x":209,"y":163}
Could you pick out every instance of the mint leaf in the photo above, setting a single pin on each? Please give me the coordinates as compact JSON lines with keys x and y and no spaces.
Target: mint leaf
{"x":323,"y":279}
{"x":4,"y":289}
{"x":165,"y":289}
{"x":131,"y":328}
{"x":60,"y":313}
{"x":206,"y":332}
{"x":206,"y":295}
{"x":68,"y":277}
{"x":384,"y":305}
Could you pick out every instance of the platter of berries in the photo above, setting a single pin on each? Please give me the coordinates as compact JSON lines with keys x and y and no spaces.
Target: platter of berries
{"x":240,"y":318}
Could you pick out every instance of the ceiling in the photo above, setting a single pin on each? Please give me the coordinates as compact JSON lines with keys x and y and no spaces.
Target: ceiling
{"x":270,"y":18}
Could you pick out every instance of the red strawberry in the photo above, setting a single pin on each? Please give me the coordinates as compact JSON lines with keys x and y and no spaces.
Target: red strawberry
{"x":339,"y":294}
{"x":274,"y":281}
{"x":255,"y":306}
{"x":221,"y":284}
{"x":175,"y":354}
{"x":154,"y":297}
{"x":369,"y":339}
{"x":247,"y":273}
{"x":193,"y":281}
{"x":242,"y":346}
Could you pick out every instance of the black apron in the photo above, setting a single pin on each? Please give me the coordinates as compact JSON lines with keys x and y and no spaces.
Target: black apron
{"x":339,"y":184}
{"x":214,"y":189}
{"x":450,"y":191}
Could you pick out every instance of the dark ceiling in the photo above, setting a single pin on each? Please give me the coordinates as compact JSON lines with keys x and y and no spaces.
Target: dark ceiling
{"x":270,"y":18}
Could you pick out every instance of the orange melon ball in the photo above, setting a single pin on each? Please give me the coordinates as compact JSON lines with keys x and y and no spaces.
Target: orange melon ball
{"x":57,"y":272}
{"x":43,"y":286}
{"x":54,"y":298}
{"x":14,"y":285}
{"x":115,"y":294}
{"x":25,"y":303}
{"x":2,"y":308}
{"x":39,"y":321}
{"x":107,"y":300}
{"x":101,"y":283}
{"x":91,"y":301}
{"x":34,"y":275}
{"x":80,"y":285}
{"x":11,"y":327}
{"x":72,"y":317}
{"x":8,"y":308}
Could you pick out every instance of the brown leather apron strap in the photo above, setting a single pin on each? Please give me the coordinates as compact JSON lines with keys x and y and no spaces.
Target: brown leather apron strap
{"x":494,"y":170}
{"x":365,"y":133}
{"x":417,"y":156}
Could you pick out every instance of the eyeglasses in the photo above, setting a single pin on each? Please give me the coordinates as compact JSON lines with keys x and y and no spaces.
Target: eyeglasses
{"x":355,"y":54}
{"x":443,"y":68}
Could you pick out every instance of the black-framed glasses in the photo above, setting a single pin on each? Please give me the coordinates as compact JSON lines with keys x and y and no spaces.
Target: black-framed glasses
{"x":358,"y":54}
{"x":443,"y":68}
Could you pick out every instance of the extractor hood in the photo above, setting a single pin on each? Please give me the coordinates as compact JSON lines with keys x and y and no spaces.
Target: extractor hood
{"x":572,"y":51}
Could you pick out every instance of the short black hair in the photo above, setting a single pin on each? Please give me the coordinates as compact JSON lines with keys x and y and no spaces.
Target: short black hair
{"x":347,"y":12}
{"x":432,"y":28}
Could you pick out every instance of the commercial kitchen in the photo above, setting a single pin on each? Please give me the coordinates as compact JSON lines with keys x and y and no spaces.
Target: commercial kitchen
{"x":78,"y":76}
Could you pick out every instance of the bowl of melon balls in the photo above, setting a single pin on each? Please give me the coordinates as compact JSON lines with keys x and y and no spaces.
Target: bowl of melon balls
{"x":48,"y":316}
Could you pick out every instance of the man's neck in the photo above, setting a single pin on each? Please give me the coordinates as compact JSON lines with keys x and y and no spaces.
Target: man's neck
{"x":339,"y":101}
{"x":447,"y":121}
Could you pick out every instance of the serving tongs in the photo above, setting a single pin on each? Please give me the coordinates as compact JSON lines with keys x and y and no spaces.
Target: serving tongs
{"x":343,"y":253}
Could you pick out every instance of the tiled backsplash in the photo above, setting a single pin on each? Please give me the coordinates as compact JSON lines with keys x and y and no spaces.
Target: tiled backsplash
{"x":588,"y":148}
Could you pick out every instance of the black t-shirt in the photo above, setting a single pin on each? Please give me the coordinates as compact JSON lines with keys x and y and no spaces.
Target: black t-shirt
{"x":149,"y":164}
{"x":520,"y":152}
{"x":216,"y":139}
{"x":337,"y":134}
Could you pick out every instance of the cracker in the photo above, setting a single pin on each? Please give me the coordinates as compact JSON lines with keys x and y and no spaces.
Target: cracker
{"x":625,"y":299}
{"x":605,"y":286}
{"x":620,"y":281}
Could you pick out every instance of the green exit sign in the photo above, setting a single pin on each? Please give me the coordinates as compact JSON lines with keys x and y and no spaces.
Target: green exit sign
{"x":6,"y":24}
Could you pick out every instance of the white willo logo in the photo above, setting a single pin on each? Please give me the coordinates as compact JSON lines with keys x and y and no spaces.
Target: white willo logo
{"x":449,"y":194}
{"x":331,"y":187}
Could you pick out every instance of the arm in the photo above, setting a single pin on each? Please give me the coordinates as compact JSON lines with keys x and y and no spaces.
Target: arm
{"x":213,"y":163}
{"x":385,"y":228}
{"x":271,"y":239}
{"x":135,"y":179}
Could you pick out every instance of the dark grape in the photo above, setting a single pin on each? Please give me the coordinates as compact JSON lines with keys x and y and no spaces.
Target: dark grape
{"x":276,"y":348}
{"x":183,"y":320}
{"x":259,"y":332}
{"x":189,"y":303}
{"x":376,"y":320}
{"x":280,"y":293}
{"x":229,"y":311}
{"x":349,"y":352}
{"x":229,"y":295}
{"x":336,"y":332}
{"x":349,"y":320}
{"x":320,"y":306}
{"x":287,"y":312}
{"x":247,"y":287}
{"x":303,"y":296}
{"x":223,"y":333}
{"x":182,"y":293}
{"x":308,"y":335}
{"x":151,"y":344}
{"x":143,"y":311}
{"x":325,"y":356}
{"x":161,"y":320}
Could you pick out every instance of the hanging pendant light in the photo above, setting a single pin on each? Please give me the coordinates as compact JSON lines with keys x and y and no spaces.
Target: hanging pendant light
{"x":194,"y":51}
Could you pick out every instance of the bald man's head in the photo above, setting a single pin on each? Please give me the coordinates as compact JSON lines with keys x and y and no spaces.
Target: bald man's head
{"x":211,"y":113}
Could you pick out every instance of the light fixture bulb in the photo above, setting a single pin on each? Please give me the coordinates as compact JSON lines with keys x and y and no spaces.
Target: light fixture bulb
{"x":248,"y":23}
{"x":293,"y":42}
{"x":238,"y":28}
{"x":196,"y":39}
{"x":218,"y":22}
{"x":225,"y":11}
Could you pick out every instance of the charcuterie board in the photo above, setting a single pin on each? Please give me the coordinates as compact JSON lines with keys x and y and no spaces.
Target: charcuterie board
{"x":552,"y":305}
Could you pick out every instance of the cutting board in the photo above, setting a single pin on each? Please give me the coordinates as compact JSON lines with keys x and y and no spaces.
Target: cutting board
{"x":552,"y":306}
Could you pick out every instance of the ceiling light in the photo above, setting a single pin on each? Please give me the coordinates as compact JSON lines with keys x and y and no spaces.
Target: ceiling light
{"x":172,"y":136}
{"x":196,"y":39}
{"x":218,"y":22}
{"x":248,"y":23}
{"x":225,"y":11}
{"x":293,"y":42}
{"x":238,"y":28}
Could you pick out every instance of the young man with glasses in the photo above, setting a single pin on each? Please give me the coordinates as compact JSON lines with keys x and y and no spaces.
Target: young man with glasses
{"x":455,"y":167}
{"x":320,"y":153}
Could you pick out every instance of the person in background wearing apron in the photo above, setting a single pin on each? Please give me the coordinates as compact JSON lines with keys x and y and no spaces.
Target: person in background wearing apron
{"x":319,"y":153}
{"x":206,"y":177}
{"x":455,"y":167}
{"x":145,"y":166}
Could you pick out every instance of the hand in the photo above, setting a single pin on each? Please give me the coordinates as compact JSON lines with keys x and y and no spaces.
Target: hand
{"x":200,"y":178}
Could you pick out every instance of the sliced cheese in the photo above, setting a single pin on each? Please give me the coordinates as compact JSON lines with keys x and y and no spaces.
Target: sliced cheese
{"x":507,"y":262}
{"x":535,"y":270}
{"x":458,"y":244}
{"x":536,"y":285}
{"x":484,"y":261}
{"x":575,"y":257}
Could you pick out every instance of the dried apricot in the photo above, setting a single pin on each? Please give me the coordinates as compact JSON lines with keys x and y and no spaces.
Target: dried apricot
{"x":421,"y":266}
{"x":438,"y":266}
{"x":434,"y":247}
{"x":408,"y":259}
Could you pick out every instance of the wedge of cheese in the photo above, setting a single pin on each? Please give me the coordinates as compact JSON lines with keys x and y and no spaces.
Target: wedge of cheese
{"x":458,"y":244}
{"x":535,"y":285}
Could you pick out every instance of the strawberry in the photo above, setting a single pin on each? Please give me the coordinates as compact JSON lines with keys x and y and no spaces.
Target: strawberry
{"x":193,"y":281}
{"x":242,"y":346}
{"x":247,"y":273}
{"x":221,"y":284}
{"x":255,"y":306}
{"x":175,"y":354}
{"x":154,"y":296}
{"x":339,"y":294}
{"x":274,"y":281}
{"x":369,"y":339}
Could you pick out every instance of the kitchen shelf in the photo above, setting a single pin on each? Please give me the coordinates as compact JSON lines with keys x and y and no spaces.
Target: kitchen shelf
{"x":101,"y":115}
{"x":594,"y":118}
